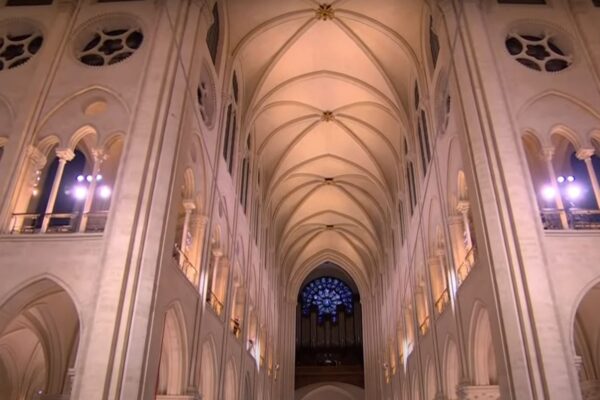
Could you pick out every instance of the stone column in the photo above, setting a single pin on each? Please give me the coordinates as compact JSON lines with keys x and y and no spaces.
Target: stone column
{"x":548,"y":155}
{"x":463,"y":208}
{"x":189,"y":208}
{"x":64,"y":156}
{"x":99,"y":158}
{"x":586,"y":156}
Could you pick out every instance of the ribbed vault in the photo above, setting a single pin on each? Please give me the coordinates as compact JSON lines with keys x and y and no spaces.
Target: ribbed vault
{"x":325,"y":95}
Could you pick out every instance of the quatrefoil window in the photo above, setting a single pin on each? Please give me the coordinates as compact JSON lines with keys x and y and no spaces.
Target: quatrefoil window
{"x":18,"y":45}
{"x":538,"y":52}
{"x":110,"y":46}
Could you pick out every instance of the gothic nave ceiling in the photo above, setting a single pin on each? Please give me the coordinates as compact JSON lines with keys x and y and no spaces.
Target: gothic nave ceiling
{"x":326,"y":94}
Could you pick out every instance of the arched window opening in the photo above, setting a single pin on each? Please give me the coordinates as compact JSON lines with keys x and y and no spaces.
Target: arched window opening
{"x":262,"y":342}
{"x":401,"y":221}
{"x":172,"y":366}
{"x":231,"y":127}
{"x":65,"y":190}
{"x":586,"y":335}
{"x":424,"y":144}
{"x":238,"y":306}
{"x":422,"y":306}
{"x":212,"y":35}
{"x":29,"y":365}
{"x":484,"y":358}
{"x":247,"y":389}
{"x":565,"y":178}
{"x":412,"y":189}
{"x":245,"y":177}
{"x":208,"y":371}
{"x":218,"y":274}
{"x":230,"y":387}
{"x":252,"y":345}
{"x":430,"y":382}
{"x":189,"y":231}
{"x":464,"y":245}
{"x":410,"y":329}
{"x":452,"y":371}
{"x":434,"y":43}
{"x":438,"y":276}
{"x":329,"y":329}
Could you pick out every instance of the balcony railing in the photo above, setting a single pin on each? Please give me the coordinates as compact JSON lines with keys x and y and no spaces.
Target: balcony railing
{"x":27,"y":223}
{"x":577,"y":218}
{"x":464,"y":269}
{"x":185,"y":265}
{"x":215,"y":304}
{"x":442,"y":301}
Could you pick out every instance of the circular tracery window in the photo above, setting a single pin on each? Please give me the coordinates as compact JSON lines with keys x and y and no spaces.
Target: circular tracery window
{"x":538,"y":51}
{"x":18,"y":43}
{"x":108,"y":43}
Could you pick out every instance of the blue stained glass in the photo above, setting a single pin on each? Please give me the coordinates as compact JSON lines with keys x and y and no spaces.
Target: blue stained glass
{"x":326,"y":294}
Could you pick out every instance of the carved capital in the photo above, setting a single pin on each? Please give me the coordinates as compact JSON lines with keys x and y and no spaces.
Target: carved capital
{"x":65,"y":154}
{"x":99,"y":155}
{"x":584,"y":154}
{"x":548,"y":153}
{"x":189,"y":205}
{"x":36,"y":157}
{"x":463,"y":207}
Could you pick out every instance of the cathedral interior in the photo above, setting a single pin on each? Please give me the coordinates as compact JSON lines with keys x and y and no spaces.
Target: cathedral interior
{"x":299,"y":200}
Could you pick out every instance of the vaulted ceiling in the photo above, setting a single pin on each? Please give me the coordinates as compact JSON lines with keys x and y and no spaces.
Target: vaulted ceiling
{"x":326,"y":97}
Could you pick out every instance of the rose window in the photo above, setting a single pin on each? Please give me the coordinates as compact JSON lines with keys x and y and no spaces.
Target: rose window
{"x":538,"y":52}
{"x":17,"y":46}
{"x":327,"y":295}
{"x":107,"y":46}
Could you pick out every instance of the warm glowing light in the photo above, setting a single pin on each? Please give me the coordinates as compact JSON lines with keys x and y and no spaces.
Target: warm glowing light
{"x":104,"y":192}
{"x":98,"y":178}
{"x":89,"y":178}
{"x":35,"y":191}
{"x":548,"y":192}
{"x":574,"y":192}
{"x":80,"y":192}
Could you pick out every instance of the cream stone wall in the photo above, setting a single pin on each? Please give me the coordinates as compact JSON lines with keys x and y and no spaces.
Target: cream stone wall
{"x":184,"y":295}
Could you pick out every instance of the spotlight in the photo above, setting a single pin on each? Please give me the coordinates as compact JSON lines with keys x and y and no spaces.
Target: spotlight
{"x":548,"y":192}
{"x":574,"y":192}
{"x":560,"y":179}
{"x":80,"y":178}
{"x":98,"y":178}
{"x":570,"y":178}
{"x":80,"y":192}
{"x":89,"y":178}
{"x":104,"y":192}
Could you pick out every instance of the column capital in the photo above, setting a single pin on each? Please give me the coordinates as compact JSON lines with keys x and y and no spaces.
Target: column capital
{"x":99,"y":155}
{"x":65,"y":154}
{"x":217,"y":253}
{"x":585,"y":153}
{"x":548,"y":153}
{"x":189,"y":205}
{"x":38,"y":159}
{"x":463,"y":206}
